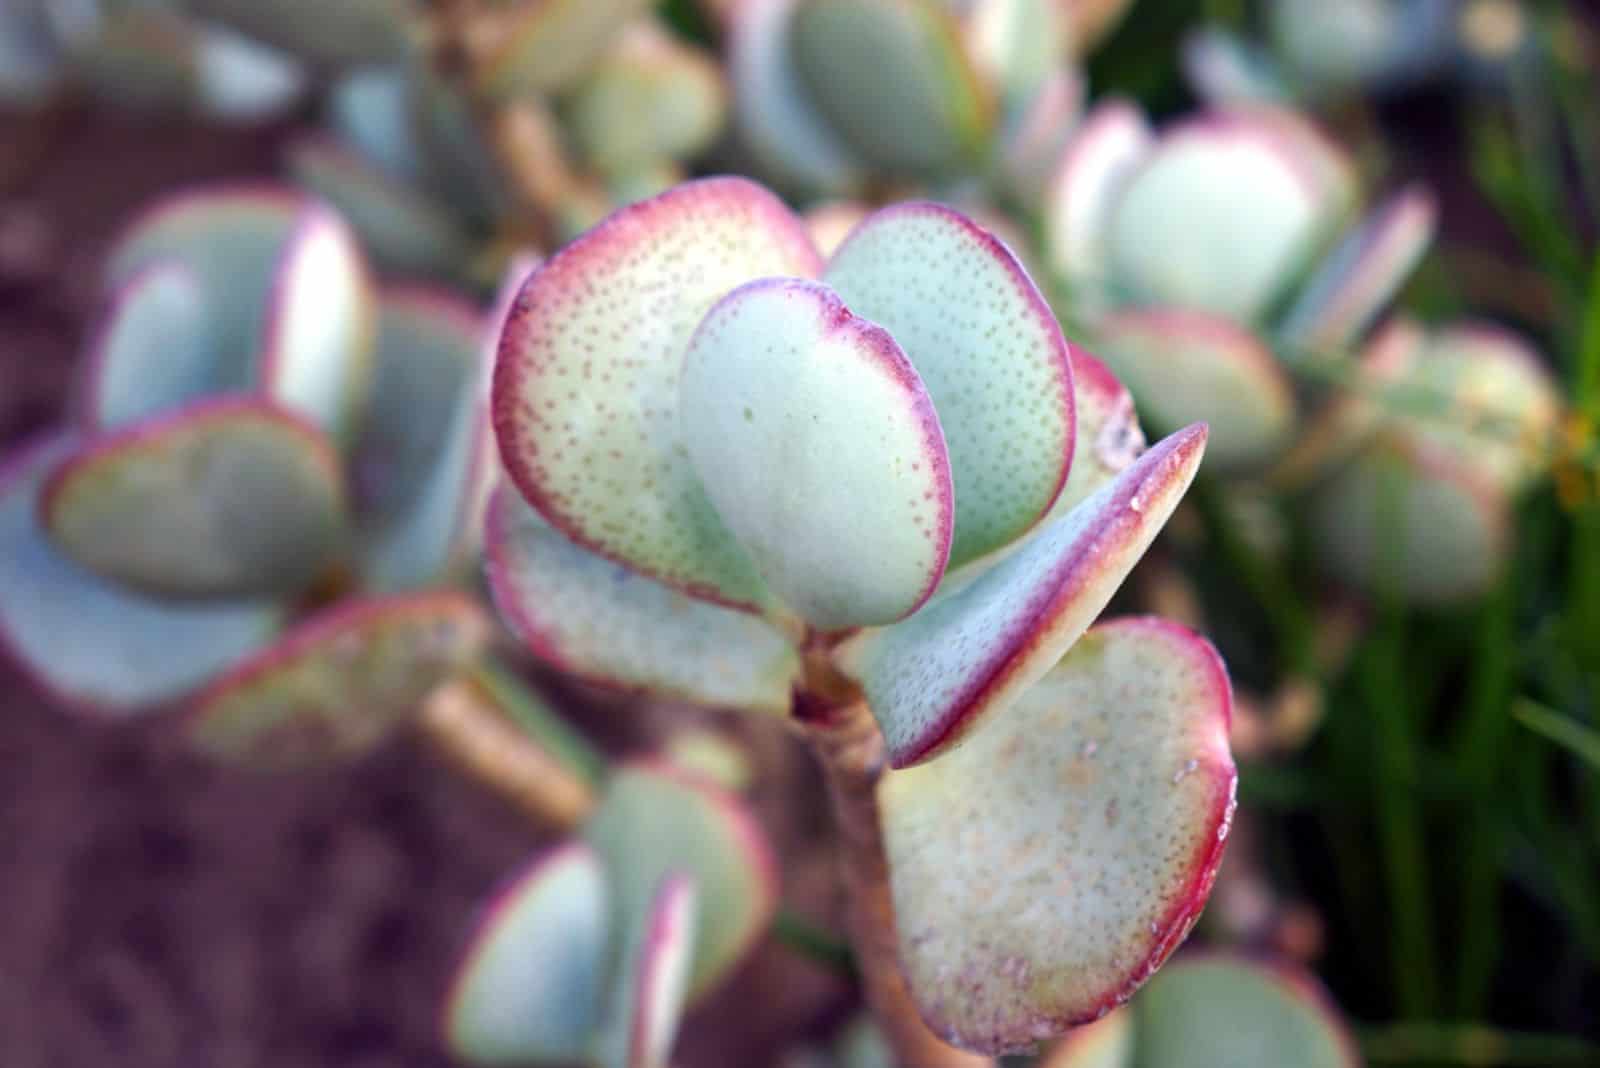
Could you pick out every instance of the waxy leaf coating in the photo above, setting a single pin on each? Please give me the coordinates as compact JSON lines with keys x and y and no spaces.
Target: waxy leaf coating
{"x":598,"y":620}
{"x":931,"y":679}
{"x":1188,"y":367}
{"x":1113,"y":139}
{"x":820,"y":449}
{"x":89,"y":642}
{"x":225,"y":498}
{"x":154,"y":349}
{"x":984,"y":340}
{"x":586,"y":388}
{"x":656,"y":820}
{"x":1045,"y":869}
{"x":652,"y":983}
{"x":531,"y":987}
{"x":336,"y":684}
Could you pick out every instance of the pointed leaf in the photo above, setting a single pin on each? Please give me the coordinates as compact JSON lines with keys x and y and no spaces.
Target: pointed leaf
{"x":88,"y":642}
{"x":648,"y":98}
{"x":1187,"y":367}
{"x":985,"y":341}
{"x":153,"y":351}
{"x":967,"y":655}
{"x":336,"y":684}
{"x":819,"y":447}
{"x":598,"y":620}
{"x":1354,"y":283}
{"x":530,"y":987}
{"x":1106,"y":1043}
{"x":586,"y":387}
{"x":547,"y":46}
{"x":1217,"y":218}
{"x":893,"y":77}
{"x":1220,"y":1010}
{"x":656,"y":820}
{"x":648,"y":1000}
{"x":776,"y":118}
{"x":224,"y":498}
{"x":1409,"y":516}
{"x":1044,"y":870}
{"x":1112,"y":140}
{"x":317,"y":353}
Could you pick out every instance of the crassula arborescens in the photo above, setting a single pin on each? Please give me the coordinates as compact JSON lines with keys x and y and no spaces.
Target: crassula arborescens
{"x":269,"y":478}
{"x":881,"y":484}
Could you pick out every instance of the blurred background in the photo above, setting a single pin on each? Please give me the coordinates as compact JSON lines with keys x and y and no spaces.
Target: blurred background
{"x":1395,"y":542}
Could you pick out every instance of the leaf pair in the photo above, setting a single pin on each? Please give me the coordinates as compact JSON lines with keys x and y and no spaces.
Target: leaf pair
{"x":595,"y":951}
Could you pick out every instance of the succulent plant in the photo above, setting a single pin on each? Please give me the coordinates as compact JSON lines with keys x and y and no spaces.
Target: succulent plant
{"x":1191,"y":256}
{"x":146,"y":55}
{"x":563,"y":111}
{"x":750,"y":478}
{"x":1216,"y":1009}
{"x":270,"y":476}
{"x":1424,"y":462}
{"x":591,"y":953}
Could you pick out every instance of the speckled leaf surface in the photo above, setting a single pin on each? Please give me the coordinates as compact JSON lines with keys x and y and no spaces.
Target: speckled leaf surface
{"x":655,"y":820}
{"x":1220,"y":1010}
{"x":984,"y":340}
{"x":1188,"y":366}
{"x":1217,"y":218}
{"x":596,"y":619}
{"x":336,"y":684}
{"x":651,"y":986}
{"x":317,"y":351}
{"x":531,"y":987}
{"x":224,"y":498}
{"x":586,"y":386}
{"x":894,"y":78}
{"x":546,"y":46}
{"x":1112,"y":140}
{"x":153,"y":351}
{"x":933,"y":678}
{"x":820,"y":449}
{"x":1044,"y":870}
{"x":231,"y":238}
{"x":1408,"y":516}
{"x":773,"y":111}
{"x":88,"y":642}
{"x":649,"y":98}
{"x":1362,"y":273}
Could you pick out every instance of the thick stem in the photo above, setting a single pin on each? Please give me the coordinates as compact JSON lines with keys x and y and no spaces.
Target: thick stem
{"x":473,"y":735}
{"x":846,"y":740}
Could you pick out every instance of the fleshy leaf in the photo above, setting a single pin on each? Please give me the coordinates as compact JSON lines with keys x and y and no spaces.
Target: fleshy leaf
{"x":1409,"y":516}
{"x":984,"y":340}
{"x":1109,"y":437}
{"x":404,"y":231}
{"x":652,"y":984}
{"x":329,"y":34}
{"x":153,"y":351}
{"x":1113,"y":139}
{"x":1188,"y":366}
{"x":547,"y":46}
{"x":1351,"y":287}
{"x":1014,"y":44}
{"x":1219,"y":1010}
{"x":1217,"y":218}
{"x":656,"y":820}
{"x":336,"y":684}
{"x":598,"y":620}
{"x":819,"y":447}
{"x":1224,"y":69}
{"x":317,"y":352}
{"x":1106,"y":1043}
{"x":225,"y":498}
{"x":1044,"y":870}
{"x":242,"y":80}
{"x":370,"y":111}
{"x":967,"y":655}
{"x":531,"y":986}
{"x":91,"y":643}
{"x":586,"y":386}
{"x":1037,"y":132}
{"x":649,"y":98}
{"x":894,"y":78}
{"x":773,"y":109}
